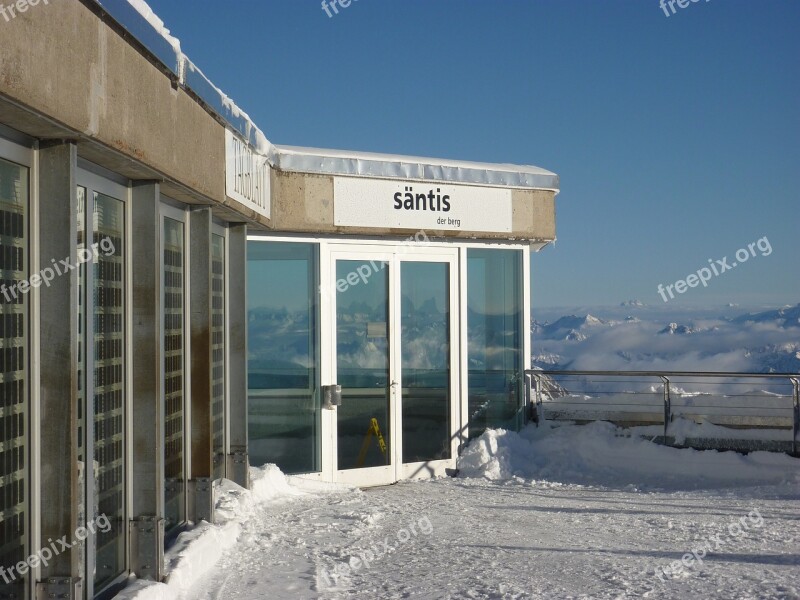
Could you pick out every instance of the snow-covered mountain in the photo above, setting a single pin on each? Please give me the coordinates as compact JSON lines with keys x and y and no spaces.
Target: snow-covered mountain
{"x":674,"y":328}
{"x":788,"y":316}
{"x":571,"y":328}
{"x":727,"y":339}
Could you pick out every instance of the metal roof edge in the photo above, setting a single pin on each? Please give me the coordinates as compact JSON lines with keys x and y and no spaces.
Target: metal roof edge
{"x":388,"y":166}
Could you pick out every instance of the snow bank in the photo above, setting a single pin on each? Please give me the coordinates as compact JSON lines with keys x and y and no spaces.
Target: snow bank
{"x":602,"y":454}
{"x":199,"y":549}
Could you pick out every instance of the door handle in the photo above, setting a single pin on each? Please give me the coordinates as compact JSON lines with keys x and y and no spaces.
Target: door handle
{"x":331,"y":396}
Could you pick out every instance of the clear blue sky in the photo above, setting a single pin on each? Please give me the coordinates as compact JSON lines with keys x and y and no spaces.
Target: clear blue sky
{"x":677,"y":138}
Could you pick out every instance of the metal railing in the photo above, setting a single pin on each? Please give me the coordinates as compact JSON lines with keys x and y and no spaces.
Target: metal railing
{"x":733,"y":400}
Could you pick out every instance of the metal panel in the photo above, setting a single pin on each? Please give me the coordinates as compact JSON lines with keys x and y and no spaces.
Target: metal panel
{"x":200,"y":502}
{"x":148,"y":407}
{"x":200,"y":310}
{"x":147,"y":545}
{"x":368,"y":164}
{"x":218,"y":350}
{"x":58,"y":381}
{"x":237,"y":315}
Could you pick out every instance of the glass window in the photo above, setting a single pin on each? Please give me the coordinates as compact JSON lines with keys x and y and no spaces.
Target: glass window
{"x":363,"y":365}
{"x":108,"y":253}
{"x":494,"y":331}
{"x":425,"y":343}
{"x":173,"y":247}
{"x":284,"y":407}
{"x":13,"y":389}
{"x":82,"y":383}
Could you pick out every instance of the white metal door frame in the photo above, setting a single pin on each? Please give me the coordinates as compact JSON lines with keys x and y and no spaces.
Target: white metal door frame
{"x":450,"y":257}
{"x":394,"y":255}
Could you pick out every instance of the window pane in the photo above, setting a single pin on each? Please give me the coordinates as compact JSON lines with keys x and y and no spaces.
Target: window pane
{"x":108,"y":248}
{"x":81,"y":383}
{"x":425,"y":343}
{"x":174,"y":375}
{"x":284,"y":407}
{"x":494,"y":324}
{"x":362,"y":364}
{"x":13,"y":389}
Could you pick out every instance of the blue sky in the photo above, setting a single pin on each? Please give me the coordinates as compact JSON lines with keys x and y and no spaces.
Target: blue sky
{"x":677,"y":139}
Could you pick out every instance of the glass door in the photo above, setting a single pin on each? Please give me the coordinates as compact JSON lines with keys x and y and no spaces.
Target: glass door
{"x":428,"y":317}
{"x":394,"y":356}
{"x":103,"y":377}
{"x":364,"y":442}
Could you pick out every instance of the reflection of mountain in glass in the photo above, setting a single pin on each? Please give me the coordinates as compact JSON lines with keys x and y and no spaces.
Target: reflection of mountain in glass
{"x":280,"y":345}
{"x":280,"y":340}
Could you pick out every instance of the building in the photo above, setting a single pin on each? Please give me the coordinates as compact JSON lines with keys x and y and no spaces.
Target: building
{"x":385,"y":298}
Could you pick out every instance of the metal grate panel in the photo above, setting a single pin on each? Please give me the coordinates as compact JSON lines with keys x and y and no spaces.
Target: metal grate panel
{"x":13,"y":388}
{"x":109,"y":385}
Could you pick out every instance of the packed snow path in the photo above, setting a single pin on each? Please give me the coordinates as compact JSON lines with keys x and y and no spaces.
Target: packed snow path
{"x":513,"y":539}
{"x":562,"y":513}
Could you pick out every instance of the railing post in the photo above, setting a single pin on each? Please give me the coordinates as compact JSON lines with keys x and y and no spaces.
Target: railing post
{"x":529,"y":398}
{"x":667,"y":407}
{"x":796,"y":413}
{"x":539,"y":405}
{"x":536,"y":400}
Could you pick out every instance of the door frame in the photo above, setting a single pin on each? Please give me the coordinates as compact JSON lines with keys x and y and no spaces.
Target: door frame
{"x":94,"y":178}
{"x":394,"y":255}
{"x":327,"y":242}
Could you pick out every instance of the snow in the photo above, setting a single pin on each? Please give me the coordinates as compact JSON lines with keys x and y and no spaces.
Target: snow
{"x":553,"y":512}
{"x":252,"y":133}
{"x":601,"y":454}
{"x":156,"y":23}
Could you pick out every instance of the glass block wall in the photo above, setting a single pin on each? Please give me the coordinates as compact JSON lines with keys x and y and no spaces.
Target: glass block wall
{"x":13,"y":384}
{"x":109,"y":384}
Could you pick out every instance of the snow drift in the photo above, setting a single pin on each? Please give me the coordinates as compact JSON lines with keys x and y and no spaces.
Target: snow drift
{"x":602,"y":454}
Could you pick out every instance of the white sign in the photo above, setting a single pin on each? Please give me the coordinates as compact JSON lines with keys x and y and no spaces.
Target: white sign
{"x":246,"y":174}
{"x":420,"y":205}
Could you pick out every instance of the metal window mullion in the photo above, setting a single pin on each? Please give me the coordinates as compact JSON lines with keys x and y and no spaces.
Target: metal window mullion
{"x":227,"y":370}
{"x":187,"y":380}
{"x":90,"y":487}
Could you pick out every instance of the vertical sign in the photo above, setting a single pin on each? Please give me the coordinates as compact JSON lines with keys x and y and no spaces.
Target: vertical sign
{"x":246,"y":174}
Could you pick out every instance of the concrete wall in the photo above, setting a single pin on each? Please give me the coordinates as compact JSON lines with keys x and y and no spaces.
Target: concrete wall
{"x":305,"y":203}
{"x":65,"y":73}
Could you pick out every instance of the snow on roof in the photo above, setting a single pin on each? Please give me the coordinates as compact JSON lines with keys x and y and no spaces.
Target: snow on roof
{"x":167,"y":48}
{"x":156,"y":23}
{"x":370,"y":164}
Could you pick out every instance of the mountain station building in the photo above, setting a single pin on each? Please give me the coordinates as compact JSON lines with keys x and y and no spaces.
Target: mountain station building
{"x":181,"y":299}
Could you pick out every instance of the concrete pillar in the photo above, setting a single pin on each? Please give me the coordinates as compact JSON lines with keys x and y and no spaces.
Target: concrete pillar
{"x":201,"y":502}
{"x":147,"y":525}
{"x":58,"y":347}
{"x":237,"y":355}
